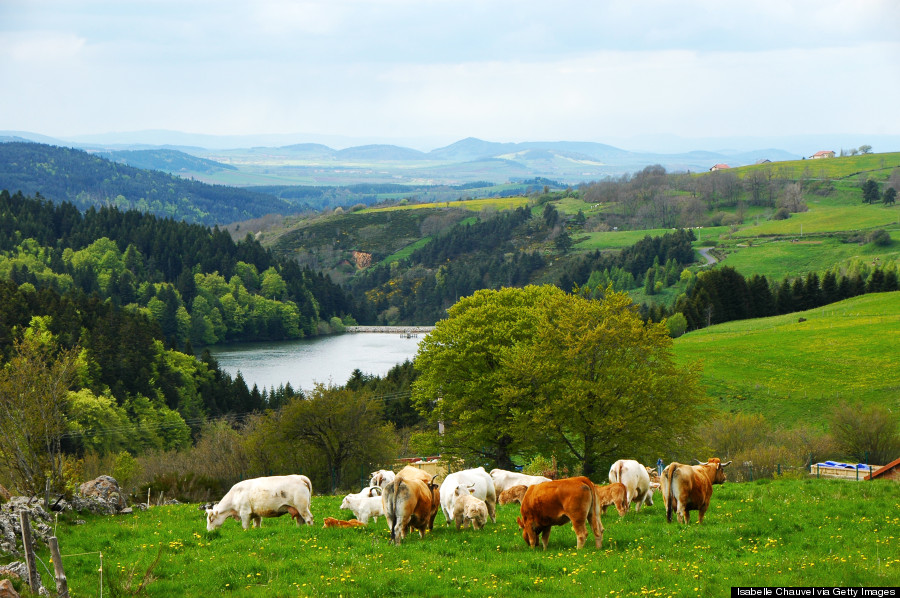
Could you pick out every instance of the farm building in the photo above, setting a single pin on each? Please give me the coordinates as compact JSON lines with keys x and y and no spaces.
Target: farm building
{"x":891,"y":471}
{"x":822,"y":154}
{"x":719,"y":167}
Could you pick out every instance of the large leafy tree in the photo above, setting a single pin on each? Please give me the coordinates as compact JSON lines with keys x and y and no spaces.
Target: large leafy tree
{"x":536,"y":370}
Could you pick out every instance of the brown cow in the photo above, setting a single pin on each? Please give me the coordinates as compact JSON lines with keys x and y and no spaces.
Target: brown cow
{"x":332,"y":522}
{"x":514,"y":494}
{"x":687,"y":488}
{"x":613,"y":494}
{"x":410,"y":502}
{"x":557,"y":502}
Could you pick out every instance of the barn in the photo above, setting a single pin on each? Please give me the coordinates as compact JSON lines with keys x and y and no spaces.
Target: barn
{"x":891,"y":471}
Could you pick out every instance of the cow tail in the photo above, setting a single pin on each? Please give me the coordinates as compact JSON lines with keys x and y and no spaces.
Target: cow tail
{"x":389,"y":502}
{"x":619,"y":466}
{"x":670,"y":501}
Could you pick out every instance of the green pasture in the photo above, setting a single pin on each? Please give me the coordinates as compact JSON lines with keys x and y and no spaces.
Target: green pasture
{"x":875,"y":165}
{"x":615,"y":239}
{"x":499,"y":203}
{"x":825,"y":218}
{"x":777,"y":258}
{"x":785,"y":532}
{"x":793,"y":371}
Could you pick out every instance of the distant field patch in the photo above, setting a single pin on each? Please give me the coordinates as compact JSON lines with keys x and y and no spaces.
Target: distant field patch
{"x":826,"y":218}
{"x":779,"y":258}
{"x":499,"y":203}
{"x":616,"y":239}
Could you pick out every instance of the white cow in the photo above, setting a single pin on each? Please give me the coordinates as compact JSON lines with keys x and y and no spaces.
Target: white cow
{"x":364,"y":504}
{"x":468,"y":509}
{"x":381,"y":478}
{"x":263,"y":497}
{"x":504,"y":480}
{"x":483,"y":488}
{"x":639,"y":489}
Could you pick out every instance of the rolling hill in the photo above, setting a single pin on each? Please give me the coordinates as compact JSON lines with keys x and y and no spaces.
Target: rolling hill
{"x":64,"y":174}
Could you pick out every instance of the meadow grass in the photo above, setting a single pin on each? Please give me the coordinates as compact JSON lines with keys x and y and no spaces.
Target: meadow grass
{"x":499,"y":203}
{"x":785,"y":532}
{"x":793,"y":371}
{"x":876,"y":165}
{"x":615,"y":239}
{"x":778,"y":258}
{"x":826,"y":218}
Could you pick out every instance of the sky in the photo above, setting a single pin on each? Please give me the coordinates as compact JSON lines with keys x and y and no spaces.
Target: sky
{"x":425,"y":73}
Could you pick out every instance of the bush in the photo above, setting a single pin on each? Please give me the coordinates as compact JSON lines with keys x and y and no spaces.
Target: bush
{"x":781,"y":214}
{"x":879,"y":238}
{"x":677,"y":324}
{"x":867,"y":433}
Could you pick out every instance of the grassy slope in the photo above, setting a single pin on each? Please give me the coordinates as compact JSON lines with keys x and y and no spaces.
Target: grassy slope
{"x":776,"y":533}
{"x":791,"y":370}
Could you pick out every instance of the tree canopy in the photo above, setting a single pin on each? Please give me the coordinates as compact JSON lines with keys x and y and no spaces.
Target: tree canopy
{"x":520,"y":372}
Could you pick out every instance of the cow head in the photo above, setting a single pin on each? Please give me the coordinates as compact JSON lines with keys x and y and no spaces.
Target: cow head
{"x":718,"y":474}
{"x":529,"y":534}
{"x":345,"y":504}
{"x":215,"y":519}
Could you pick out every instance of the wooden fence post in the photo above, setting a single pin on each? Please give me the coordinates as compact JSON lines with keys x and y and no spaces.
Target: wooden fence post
{"x":62,"y":585}
{"x":29,"y":551}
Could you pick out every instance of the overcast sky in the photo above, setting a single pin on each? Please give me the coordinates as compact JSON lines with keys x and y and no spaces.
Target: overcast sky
{"x":429,"y":72}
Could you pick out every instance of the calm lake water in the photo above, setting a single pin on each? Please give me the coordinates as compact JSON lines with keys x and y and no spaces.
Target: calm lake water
{"x":323,"y":359}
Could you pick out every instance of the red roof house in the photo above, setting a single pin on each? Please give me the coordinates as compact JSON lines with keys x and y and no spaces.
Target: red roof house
{"x":823,"y":154}
{"x":891,"y":471}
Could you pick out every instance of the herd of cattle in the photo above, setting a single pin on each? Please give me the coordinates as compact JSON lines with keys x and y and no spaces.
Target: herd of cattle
{"x":410,"y":499}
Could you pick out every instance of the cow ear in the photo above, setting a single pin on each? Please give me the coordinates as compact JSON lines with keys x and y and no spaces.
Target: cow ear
{"x":471,"y":490}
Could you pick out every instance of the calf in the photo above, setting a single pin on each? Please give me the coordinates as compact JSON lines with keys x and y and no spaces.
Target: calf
{"x":332,"y":522}
{"x":364,"y":504}
{"x":483,"y":488}
{"x":253,"y":499}
{"x":612,"y":494}
{"x":467,"y":508}
{"x":557,"y":502}
{"x":513,"y":494}
{"x":687,"y":488}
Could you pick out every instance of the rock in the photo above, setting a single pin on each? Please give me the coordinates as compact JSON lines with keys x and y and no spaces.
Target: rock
{"x":7,"y":590}
{"x":126,"y":511}
{"x":10,"y":525}
{"x":106,"y":490}
{"x":17,"y":569}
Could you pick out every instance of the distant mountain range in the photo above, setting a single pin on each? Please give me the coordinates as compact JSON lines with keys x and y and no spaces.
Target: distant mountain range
{"x":221,"y":160}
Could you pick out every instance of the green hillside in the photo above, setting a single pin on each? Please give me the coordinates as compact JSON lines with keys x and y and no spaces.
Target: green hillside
{"x":63,"y":174}
{"x":795,"y":371}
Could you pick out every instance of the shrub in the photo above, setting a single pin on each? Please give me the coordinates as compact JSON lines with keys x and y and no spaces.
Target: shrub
{"x":879,"y":238}
{"x":676,"y":324}
{"x":866,"y":432}
{"x":781,"y":214}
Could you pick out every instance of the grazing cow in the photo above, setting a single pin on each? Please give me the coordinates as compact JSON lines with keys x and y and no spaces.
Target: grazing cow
{"x":381,"y":478}
{"x":251,"y":500}
{"x":467,"y":508}
{"x":410,"y":502}
{"x":555,"y":503}
{"x":479,"y":479}
{"x":612,"y":494}
{"x":364,"y":504}
{"x":688,"y":488}
{"x":504,"y":480}
{"x":513,"y":494}
{"x":332,"y":522}
{"x":636,"y":479}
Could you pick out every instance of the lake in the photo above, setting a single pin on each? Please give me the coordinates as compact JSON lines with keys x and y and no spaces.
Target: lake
{"x":328,"y":359}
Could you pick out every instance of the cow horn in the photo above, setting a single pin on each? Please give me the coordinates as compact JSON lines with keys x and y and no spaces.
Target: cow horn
{"x":697,"y":461}
{"x":726,"y":464}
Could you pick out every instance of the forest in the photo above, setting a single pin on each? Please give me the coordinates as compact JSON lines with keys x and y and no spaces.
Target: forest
{"x":196,"y":283}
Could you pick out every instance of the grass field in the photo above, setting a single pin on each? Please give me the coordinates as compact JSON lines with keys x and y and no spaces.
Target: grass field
{"x":499,"y":203}
{"x":794,"y":371}
{"x":798,"y":532}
